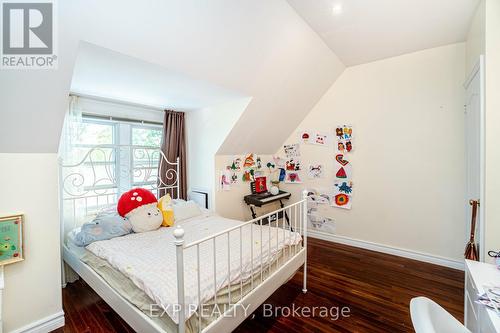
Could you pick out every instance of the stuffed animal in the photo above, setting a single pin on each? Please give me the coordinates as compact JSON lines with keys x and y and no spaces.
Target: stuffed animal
{"x":103,"y":227}
{"x":165,"y":206}
{"x":139,"y":206}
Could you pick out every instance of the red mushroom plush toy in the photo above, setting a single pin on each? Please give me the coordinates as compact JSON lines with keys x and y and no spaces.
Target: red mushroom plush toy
{"x":139,"y":206}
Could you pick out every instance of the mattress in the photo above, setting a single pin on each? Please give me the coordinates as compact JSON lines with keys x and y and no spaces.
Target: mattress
{"x":149,"y":259}
{"x":276,"y":247}
{"x":129,"y":291}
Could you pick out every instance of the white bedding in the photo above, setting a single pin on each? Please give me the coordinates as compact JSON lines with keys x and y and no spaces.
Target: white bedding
{"x":148,"y":259}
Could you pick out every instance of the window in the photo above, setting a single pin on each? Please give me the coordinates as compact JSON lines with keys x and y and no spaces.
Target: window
{"x":144,"y":160}
{"x":146,"y":136}
{"x":94,"y":132}
{"x":99,"y":170}
{"x":128,"y":155}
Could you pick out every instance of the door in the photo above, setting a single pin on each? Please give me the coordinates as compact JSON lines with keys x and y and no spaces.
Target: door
{"x":474,"y":146}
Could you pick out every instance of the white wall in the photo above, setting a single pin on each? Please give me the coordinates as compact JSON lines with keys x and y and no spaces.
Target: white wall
{"x":408,"y":162}
{"x":32,"y":287}
{"x":206,"y":129}
{"x":475,"y":42}
{"x":230,"y":204}
{"x":492,"y":188}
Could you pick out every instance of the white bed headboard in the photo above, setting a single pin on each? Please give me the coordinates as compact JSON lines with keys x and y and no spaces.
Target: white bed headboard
{"x":104,"y":172}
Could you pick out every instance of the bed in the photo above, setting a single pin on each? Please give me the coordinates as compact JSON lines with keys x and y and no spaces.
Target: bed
{"x":205,"y":274}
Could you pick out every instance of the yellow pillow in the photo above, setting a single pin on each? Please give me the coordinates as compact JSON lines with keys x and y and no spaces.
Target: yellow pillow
{"x":165,"y":206}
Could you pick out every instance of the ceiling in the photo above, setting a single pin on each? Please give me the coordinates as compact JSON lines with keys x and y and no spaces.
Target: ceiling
{"x":361,"y":31}
{"x":106,"y":74}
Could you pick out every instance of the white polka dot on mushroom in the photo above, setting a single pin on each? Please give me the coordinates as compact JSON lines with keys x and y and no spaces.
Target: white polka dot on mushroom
{"x":139,"y":199}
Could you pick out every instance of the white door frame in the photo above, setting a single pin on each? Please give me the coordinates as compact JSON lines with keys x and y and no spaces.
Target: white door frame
{"x":479,"y":70}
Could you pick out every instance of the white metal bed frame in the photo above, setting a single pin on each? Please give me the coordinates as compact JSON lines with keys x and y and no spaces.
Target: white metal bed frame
{"x":247,"y":304}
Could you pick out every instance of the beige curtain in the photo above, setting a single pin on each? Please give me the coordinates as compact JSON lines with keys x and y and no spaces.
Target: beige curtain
{"x":173,"y":145}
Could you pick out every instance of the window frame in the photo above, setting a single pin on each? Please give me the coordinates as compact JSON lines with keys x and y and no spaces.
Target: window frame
{"x":142,"y":125}
{"x":121,"y":136}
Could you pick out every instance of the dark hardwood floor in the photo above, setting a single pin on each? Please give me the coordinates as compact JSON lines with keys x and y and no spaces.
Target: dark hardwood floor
{"x":376,"y":288}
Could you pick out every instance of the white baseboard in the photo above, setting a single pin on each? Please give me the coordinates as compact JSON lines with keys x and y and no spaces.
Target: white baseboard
{"x":43,"y":325}
{"x":410,"y":254}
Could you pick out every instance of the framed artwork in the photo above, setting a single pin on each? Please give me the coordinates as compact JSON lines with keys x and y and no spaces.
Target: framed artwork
{"x":11,"y":239}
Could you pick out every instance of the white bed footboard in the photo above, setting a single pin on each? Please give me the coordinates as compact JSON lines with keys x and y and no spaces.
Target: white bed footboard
{"x":288,"y":220}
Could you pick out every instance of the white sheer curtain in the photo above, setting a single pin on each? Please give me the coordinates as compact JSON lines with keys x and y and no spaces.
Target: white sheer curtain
{"x":71,"y":210}
{"x":72,"y":179}
{"x":70,"y":132}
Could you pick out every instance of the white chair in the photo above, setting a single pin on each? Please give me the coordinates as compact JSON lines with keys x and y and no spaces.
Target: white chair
{"x":429,"y":317}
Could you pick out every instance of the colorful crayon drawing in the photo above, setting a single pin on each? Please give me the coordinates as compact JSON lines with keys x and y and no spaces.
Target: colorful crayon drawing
{"x":292,"y":150}
{"x":315,"y":171}
{"x":343,"y":187}
{"x":293,"y":165}
{"x":249,"y":161}
{"x":314,"y":138}
{"x":293,"y":177}
{"x":248,"y":175}
{"x":235,"y":164}
{"x":225,"y":180}
{"x":342,"y":200}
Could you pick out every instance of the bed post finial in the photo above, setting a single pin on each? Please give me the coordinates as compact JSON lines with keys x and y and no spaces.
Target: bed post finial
{"x":179,"y":248}
{"x":179,"y":235}
{"x":304,"y":235}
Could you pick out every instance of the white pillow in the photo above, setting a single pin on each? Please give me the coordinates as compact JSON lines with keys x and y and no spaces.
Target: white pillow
{"x":186,"y":210}
{"x":178,"y":201}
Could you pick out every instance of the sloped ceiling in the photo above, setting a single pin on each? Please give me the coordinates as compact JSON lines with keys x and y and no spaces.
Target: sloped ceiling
{"x":361,"y":31}
{"x":261,"y":49}
{"x":109,"y":75}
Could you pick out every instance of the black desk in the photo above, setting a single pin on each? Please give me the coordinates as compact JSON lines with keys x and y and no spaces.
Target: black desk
{"x":261,"y":199}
